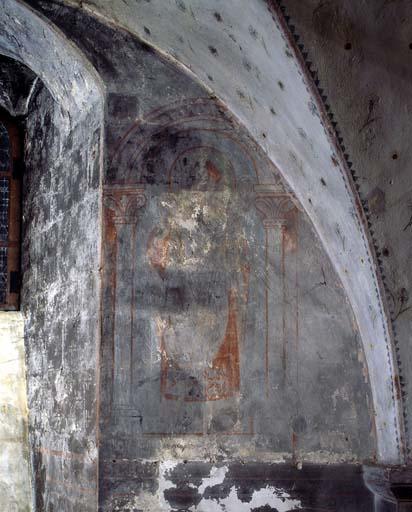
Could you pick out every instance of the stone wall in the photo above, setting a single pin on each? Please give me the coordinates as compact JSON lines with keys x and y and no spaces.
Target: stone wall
{"x":60,"y":302}
{"x":226,"y":332}
{"x":228,"y":343}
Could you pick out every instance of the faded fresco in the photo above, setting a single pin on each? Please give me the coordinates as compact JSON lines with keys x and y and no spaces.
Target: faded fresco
{"x":192,"y":237}
{"x":203,"y":270}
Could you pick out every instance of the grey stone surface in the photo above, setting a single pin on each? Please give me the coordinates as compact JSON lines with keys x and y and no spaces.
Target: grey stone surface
{"x":31,"y":40}
{"x":60,"y":301}
{"x":62,"y":234}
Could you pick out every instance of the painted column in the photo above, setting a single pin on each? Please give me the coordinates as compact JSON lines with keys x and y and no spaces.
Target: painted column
{"x":273,"y":205}
{"x":123,"y":204}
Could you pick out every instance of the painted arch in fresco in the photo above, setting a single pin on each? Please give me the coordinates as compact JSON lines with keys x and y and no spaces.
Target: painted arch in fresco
{"x":202,"y":250}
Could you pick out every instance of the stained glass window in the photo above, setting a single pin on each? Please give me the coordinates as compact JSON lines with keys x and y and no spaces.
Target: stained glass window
{"x":9,"y":214}
{"x":3,"y":274}
{"x":4,"y":209}
{"x":4,"y":148}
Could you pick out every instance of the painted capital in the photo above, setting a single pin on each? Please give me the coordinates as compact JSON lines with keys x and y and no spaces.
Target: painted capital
{"x":273,"y":205}
{"x":124,"y":203}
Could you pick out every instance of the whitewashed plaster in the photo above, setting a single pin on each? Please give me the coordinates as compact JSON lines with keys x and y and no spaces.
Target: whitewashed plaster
{"x":15,"y":481}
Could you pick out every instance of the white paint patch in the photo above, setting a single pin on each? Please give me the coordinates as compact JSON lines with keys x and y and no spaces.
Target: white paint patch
{"x":217,"y":476}
{"x":165,"y":468}
{"x":272,"y":496}
{"x":59,"y":382}
{"x":269,"y":495}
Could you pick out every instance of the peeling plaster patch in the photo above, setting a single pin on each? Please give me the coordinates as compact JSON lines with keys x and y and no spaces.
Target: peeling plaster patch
{"x":217,"y":476}
{"x":165,"y":468}
{"x":272,"y":496}
{"x":340,"y":394}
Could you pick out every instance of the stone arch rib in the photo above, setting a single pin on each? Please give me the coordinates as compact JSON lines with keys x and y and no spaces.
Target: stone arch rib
{"x":29,"y":38}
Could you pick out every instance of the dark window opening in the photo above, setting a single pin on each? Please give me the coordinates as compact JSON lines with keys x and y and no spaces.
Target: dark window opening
{"x":10,"y":212}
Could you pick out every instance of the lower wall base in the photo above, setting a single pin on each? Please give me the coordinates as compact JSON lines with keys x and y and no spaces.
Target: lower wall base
{"x":233,"y":487}
{"x":177,"y":486}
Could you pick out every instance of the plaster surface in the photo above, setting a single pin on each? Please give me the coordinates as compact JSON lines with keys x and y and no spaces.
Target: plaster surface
{"x":60,"y":302}
{"x":15,"y":466}
{"x":163,"y":115}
